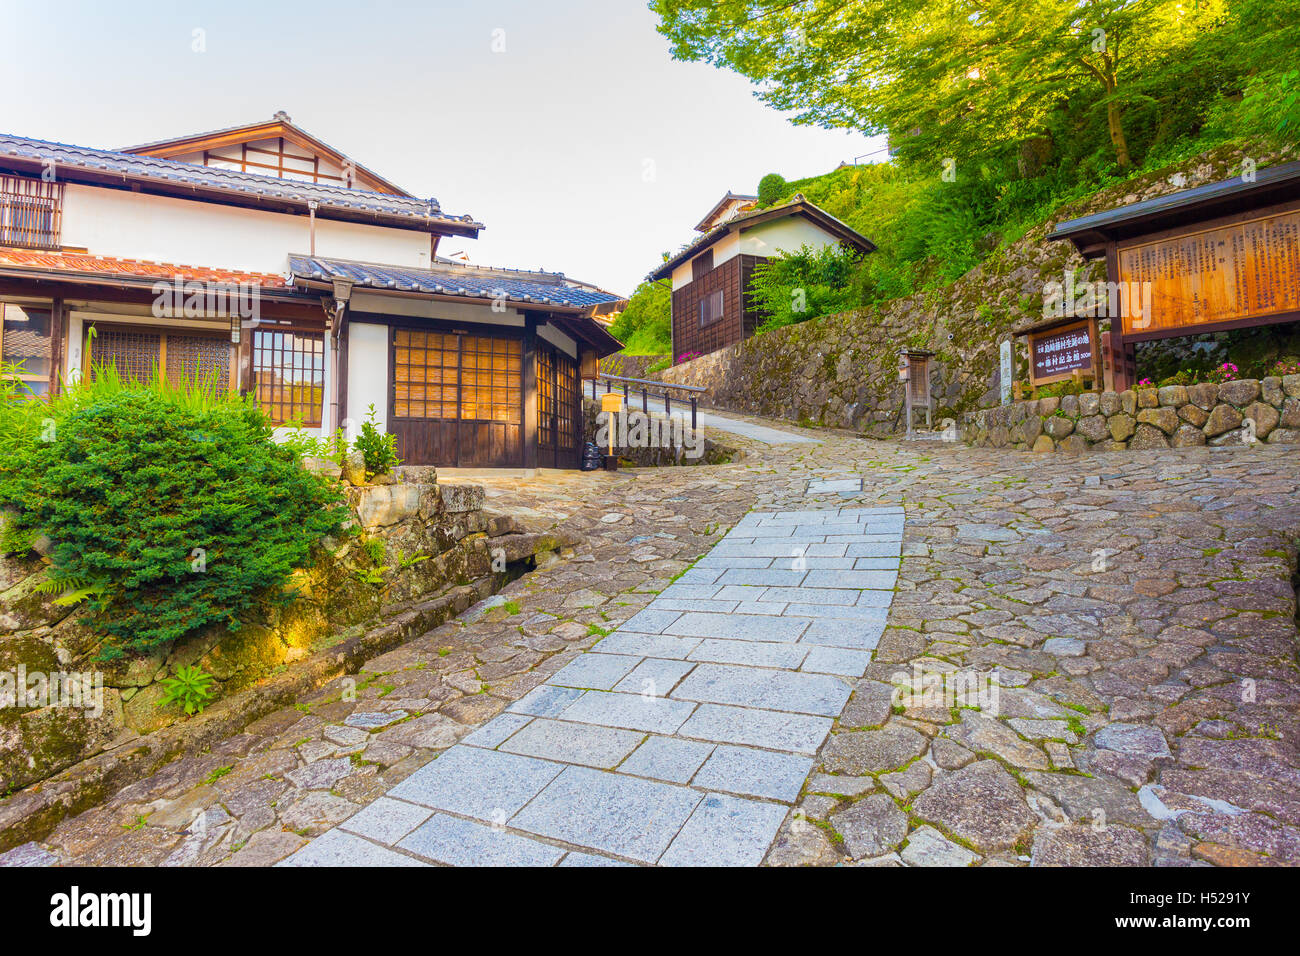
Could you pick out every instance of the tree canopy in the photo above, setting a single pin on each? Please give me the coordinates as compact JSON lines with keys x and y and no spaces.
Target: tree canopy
{"x":1024,"y":81}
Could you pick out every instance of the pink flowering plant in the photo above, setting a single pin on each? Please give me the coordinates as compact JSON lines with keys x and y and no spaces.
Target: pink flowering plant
{"x":1226,"y":372}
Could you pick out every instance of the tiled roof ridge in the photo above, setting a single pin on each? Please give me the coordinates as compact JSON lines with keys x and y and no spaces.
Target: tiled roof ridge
{"x":282,"y":187}
{"x":538,"y":287}
{"x":279,"y":117}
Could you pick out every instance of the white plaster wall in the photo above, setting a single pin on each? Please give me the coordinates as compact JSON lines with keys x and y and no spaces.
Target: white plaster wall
{"x":367,"y":372}
{"x":783,"y":235}
{"x":363,"y":301}
{"x":113,"y":222}
{"x":728,"y":247}
{"x":294,"y":168}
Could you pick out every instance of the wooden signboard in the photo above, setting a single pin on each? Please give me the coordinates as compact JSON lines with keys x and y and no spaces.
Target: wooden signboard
{"x":1057,"y":353}
{"x":1206,"y":280}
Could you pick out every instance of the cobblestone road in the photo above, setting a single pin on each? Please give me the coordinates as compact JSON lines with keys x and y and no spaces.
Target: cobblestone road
{"x":1137,"y":610}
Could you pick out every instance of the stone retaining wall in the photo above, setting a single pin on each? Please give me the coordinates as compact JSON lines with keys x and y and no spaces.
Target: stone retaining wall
{"x":629,"y":366}
{"x":714,"y":453}
{"x":1173,"y":416}
{"x":438,"y":550}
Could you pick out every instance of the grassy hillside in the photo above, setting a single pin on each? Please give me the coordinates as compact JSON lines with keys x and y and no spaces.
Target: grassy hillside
{"x":929,"y":232}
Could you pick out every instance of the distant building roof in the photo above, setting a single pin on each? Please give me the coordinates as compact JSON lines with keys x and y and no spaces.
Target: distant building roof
{"x":189,"y":180}
{"x":277,"y":126}
{"x":705,"y":224}
{"x":798,"y":206}
{"x":1272,"y":184}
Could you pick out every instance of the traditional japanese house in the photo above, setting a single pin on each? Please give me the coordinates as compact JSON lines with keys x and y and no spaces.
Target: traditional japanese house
{"x":711,"y":276}
{"x":264,"y":258}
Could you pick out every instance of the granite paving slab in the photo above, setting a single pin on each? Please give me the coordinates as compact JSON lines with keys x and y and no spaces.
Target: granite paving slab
{"x":682,"y":737}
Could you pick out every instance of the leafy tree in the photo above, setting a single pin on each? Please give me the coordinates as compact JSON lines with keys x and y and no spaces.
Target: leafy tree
{"x":771,"y":188}
{"x":963,"y":81}
{"x":645,"y":325}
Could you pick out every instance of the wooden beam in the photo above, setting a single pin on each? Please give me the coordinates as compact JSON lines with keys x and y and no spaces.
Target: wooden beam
{"x":529,"y":391}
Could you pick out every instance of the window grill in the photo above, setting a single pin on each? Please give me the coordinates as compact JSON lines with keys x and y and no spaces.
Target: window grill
{"x":31,"y":212}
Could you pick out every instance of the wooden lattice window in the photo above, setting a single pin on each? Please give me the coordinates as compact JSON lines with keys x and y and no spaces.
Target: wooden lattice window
{"x":289,"y":375}
{"x":25,"y":344}
{"x":545,"y":398}
{"x":136,"y":351}
{"x":31,"y":212}
{"x":198,"y":358}
{"x":491,"y":379}
{"x":426,"y":374}
{"x":566,"y":388}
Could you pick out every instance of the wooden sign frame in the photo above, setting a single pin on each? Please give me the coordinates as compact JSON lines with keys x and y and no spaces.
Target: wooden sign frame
{"x":1094,"y":372}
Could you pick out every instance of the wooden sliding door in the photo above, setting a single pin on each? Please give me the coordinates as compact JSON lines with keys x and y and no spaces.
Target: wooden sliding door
{"x":457,"y":398}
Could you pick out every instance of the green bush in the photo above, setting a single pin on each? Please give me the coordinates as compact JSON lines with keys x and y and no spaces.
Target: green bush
{"x":379,"y":449}
{"x":169,"y":509}
{"x":797,"y":286}
{"x":771,"y":188}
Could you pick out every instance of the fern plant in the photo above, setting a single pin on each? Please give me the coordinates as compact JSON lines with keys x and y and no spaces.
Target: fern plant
{"x":373,"y":576}
{"x":72,"y":589}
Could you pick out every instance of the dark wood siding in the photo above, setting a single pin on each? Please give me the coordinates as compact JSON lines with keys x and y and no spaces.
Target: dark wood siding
{"x":739,"y":319}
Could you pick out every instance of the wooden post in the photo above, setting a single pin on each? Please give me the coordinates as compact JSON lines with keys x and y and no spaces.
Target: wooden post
{"x":58,"y":329}
{"x":530,"y":391}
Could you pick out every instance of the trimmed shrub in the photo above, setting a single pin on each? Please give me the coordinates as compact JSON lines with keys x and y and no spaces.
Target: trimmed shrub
{"x":168,"y":509}
{"x":771,"y":188}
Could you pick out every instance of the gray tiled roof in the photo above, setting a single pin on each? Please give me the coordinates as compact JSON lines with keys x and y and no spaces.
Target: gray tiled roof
{"x":474,"y":282}
{"x":169,"y":171}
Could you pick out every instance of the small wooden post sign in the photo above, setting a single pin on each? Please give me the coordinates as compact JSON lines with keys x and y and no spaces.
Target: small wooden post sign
{"x":611,"y":403}
{"x":1058,"y":353}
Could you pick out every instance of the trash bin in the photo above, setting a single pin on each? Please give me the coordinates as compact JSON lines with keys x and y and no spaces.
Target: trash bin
{"x":593,"y":457}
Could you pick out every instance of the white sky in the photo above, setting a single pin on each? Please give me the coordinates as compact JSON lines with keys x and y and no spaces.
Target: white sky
{"x":583,"y":146}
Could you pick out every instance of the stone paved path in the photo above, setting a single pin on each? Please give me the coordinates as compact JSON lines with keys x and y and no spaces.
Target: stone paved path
{"x":1137,"y":609}
{"x":682,"y":737}
{"x":733,"y":426}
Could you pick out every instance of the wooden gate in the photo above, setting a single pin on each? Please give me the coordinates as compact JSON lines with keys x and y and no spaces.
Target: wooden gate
{"x":456,"y":399}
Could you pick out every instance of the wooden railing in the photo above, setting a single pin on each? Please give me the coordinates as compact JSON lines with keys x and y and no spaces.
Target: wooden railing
{"x":646,"y":387}
{"x":31,"y":212}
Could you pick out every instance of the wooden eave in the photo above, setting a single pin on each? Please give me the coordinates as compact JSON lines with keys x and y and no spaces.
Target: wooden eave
{"x":272,"y":129}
